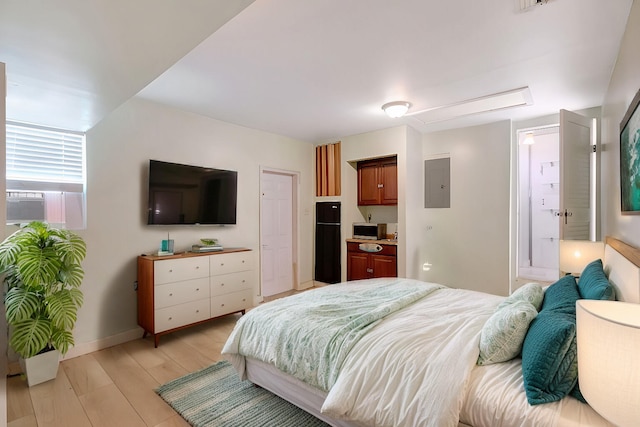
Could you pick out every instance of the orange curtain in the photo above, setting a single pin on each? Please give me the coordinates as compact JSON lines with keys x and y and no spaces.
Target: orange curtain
{"x":328,"y":169}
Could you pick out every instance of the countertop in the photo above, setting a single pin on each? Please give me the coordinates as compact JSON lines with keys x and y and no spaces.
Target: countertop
{"x":392,"y":242}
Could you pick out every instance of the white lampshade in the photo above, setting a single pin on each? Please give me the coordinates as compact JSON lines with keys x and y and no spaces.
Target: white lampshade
{"x":396,"y":109}
{"x":576,"y":254}
{"x":608,"y":334}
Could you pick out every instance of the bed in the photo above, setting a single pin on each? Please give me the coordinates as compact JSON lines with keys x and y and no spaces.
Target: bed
{"x":407,"y":359}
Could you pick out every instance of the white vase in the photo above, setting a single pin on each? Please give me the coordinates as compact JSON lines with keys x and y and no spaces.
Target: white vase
{"x":41,"y":367}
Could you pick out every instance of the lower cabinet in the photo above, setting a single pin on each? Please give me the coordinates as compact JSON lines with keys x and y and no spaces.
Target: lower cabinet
{"x":368,"y":260}
{"x":178,"y":291}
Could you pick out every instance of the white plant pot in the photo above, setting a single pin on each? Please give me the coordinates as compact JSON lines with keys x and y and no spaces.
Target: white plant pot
{"x":41,"y":367}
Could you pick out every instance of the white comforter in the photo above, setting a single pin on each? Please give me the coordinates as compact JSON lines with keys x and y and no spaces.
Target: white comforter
{"x":416,"y":367}
{"x":412,"y":369}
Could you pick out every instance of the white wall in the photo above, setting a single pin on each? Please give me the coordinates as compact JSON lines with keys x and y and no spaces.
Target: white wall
{"x":625,"y":82}
{"x":413,"y":209}
{"x":468,"y":243}
{"x":118,"y":151}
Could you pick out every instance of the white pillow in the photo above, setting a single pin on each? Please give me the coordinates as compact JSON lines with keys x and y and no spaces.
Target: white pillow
{"x":530,"y":292}
{"x":502,"y":335}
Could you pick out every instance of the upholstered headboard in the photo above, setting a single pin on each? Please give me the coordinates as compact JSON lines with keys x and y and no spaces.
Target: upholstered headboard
{"x":622,"y":266}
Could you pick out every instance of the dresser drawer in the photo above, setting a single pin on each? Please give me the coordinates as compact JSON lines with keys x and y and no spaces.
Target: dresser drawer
{"x":231,"y":263}
{"x":230,"y":303}
{"x":177,"y":270}
{"x":227,"y":283}
{"x":181,"y":314}
{"x":181,"y":292}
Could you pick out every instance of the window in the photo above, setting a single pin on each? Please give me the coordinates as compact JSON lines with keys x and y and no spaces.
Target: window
{"x":45,"y":175}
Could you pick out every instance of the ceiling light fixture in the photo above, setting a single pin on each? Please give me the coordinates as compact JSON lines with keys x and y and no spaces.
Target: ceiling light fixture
{"x":396,"y":109}
{"x":528,"y":139}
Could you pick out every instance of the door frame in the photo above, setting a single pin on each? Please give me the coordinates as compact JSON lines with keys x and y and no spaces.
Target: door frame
{"x":595,"y":112}
{"x":520,"y":214}
{"x":295,"y":223}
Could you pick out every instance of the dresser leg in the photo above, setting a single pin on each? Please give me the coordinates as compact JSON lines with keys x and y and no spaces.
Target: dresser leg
{"x":156,"y":339}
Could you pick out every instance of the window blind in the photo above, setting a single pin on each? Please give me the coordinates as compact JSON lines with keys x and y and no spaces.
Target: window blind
{"x":40,"y":158}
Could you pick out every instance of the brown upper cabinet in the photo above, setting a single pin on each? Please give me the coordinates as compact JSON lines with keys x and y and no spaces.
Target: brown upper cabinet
{"x":378,"y":182}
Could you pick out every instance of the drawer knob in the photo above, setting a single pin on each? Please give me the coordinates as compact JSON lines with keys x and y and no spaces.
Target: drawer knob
{"x":197,"y":267}
{"x":243,"y":261}
{"x":243,"y":280}
{"x":170,"y":318}
{"x":170,"y":271}
{"x":197,"y":311}
{"x":222,"y":263}
{"x":171,"y":295}
{"x":221,"y":305}
{"x":197,"y":289}
{"x":221,"y":284}
{"x":244,"y":299}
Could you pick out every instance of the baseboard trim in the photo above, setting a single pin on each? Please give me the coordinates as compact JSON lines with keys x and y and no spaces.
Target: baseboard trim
{"x":90,"y":347}
{"x":305,"y":285}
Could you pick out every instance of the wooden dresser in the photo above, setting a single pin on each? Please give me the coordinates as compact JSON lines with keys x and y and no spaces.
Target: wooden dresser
{"x":182,"y":290}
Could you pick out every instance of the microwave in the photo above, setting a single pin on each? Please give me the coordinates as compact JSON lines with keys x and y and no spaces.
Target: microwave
{"x":369,"y":231}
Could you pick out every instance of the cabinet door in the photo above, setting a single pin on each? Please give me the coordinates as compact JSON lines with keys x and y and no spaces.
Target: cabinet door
{"x":227,"y":283}
{"x":231,"y":303}
{"x":180,"y":315}
{"x":357,"y":266}
{"x":181,"y":292}
{"x":383,"y":266}
{"x":368,"y":192}
{"x":389,"y":179}
{"x":179,"y":269}
{"x":226,"y":263}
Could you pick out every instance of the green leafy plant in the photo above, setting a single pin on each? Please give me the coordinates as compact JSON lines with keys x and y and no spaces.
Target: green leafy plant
{"x":43,"y":275}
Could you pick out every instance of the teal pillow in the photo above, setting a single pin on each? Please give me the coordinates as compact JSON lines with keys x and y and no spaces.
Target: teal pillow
{"x":530,"y":292}
{"x":549,"y":351}
{"x":549,"y":357}
{"x":562,"y":295}
{"x":593,"y":283}
{"x":577,"y":393}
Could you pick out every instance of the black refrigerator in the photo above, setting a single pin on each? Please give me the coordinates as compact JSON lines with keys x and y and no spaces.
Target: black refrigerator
{"x":328,"y":242}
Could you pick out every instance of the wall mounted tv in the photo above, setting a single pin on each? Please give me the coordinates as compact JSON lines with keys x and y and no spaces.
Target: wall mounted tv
{"x":184,"y":194}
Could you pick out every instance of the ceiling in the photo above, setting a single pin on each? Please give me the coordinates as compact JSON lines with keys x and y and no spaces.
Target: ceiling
{"x":311,"y":70}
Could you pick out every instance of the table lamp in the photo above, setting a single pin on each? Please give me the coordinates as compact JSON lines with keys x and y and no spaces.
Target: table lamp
{"x":576,"y":254}
{"x":608,"y":341}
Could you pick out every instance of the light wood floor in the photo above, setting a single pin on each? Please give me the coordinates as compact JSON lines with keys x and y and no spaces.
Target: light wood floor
{"x":114,"y":386}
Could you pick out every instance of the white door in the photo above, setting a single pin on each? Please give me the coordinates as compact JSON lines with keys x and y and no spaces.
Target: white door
{"x":576,"y":148}
{"x":276,"y":233}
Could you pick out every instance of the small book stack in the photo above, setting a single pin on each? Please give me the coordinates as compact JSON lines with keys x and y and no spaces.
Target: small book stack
{"x":208,"y":248}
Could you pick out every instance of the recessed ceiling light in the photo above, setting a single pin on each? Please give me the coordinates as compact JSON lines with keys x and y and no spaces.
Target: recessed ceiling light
{"x":396,"y":108}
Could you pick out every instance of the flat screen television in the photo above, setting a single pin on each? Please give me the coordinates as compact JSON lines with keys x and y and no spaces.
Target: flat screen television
{"x":185,"y":194}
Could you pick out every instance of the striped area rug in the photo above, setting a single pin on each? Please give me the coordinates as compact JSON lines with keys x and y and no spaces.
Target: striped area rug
{"x":215,"y":396}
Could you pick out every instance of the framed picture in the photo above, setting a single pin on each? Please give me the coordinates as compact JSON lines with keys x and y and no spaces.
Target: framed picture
{"x":630,"y":159}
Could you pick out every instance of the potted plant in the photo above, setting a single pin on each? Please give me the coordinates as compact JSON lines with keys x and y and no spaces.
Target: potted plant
{"x":43,"y":275}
